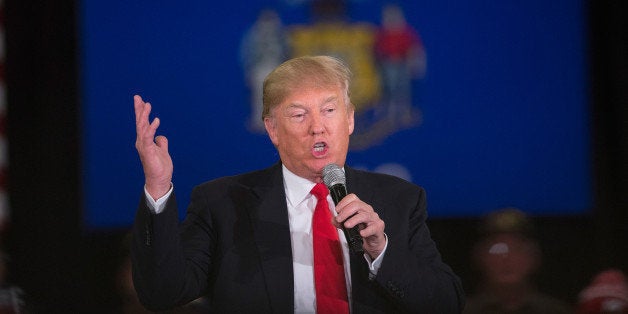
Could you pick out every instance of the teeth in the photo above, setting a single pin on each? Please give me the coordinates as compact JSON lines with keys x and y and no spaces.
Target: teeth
{"x":318,"y":147}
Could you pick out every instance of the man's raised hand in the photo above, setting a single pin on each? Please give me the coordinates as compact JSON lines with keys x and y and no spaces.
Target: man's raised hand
{"x":153,"y":151}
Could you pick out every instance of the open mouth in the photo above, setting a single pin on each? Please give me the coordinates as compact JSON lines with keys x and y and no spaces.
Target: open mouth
{"x":319,"y":147}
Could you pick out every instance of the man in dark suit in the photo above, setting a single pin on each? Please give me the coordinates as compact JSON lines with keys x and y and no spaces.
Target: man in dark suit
{"x":246,"y":242}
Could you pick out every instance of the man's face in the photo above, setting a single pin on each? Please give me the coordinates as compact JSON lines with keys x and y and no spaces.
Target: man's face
{"x":508,"y":259}
{"x":311,"y":129}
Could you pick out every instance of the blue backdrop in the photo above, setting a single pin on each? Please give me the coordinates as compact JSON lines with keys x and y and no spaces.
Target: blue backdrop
{"x":504,"y":104}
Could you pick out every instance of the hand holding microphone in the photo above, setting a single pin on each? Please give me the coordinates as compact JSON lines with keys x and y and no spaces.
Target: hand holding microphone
{"x":360,"y":223}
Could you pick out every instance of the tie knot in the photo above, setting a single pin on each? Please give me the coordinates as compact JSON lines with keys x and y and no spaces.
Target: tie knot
{"x":320,"y":191}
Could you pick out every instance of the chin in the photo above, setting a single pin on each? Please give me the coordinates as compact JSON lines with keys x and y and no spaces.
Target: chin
{"x":324,"y":162}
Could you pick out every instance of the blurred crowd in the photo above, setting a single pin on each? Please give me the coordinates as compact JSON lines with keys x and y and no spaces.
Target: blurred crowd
{"x":507,"y":255}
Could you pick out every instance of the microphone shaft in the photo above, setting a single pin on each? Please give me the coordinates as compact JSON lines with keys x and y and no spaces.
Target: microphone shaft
{"x":338,"y":192}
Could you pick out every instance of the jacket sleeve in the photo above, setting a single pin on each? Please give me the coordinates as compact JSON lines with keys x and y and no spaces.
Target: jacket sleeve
{"x":412,"y":273}
{"x":166,"y":274}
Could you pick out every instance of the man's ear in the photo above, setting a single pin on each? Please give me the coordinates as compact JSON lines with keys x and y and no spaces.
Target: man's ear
{"x":350,"y":116}
{"x":271,"y":128}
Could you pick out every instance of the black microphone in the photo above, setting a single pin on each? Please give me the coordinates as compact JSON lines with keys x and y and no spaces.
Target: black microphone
{"x":335,"y":180}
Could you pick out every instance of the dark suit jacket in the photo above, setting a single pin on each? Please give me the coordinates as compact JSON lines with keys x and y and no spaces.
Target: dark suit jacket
{"x":234,"y":246}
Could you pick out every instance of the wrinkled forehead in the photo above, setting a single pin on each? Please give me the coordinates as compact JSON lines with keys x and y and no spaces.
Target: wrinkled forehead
{"x":315,"y":80}
{"x":292,"y":88}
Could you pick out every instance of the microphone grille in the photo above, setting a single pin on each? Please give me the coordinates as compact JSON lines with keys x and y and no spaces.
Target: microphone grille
{"x":333,"y":174}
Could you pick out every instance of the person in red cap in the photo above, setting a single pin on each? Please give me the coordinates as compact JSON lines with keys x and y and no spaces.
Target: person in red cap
{"x":507,"y":256}
{"x":607,"y":293}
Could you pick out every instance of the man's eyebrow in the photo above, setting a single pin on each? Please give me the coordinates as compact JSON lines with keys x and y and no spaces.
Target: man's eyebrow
{"x":295,"y":105}
{"x":331,"y":98}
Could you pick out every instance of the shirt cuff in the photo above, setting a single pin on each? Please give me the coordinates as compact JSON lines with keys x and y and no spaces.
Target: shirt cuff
{"x":157,"y":206}
{"x":374,"y":265}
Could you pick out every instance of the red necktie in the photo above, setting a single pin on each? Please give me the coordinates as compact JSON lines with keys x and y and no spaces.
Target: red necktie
{"x":329,"y":274}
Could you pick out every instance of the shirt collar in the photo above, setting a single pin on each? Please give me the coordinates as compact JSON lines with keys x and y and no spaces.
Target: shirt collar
{"x":297,"y":188}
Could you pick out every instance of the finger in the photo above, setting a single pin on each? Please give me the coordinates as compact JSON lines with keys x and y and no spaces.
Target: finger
{"x":138,"y":105}
{"x":355,"y":210}
{"x":357,"y":219}
{"x":142,"y":112}
{"x":347,"y":200}
{"x":347,"y":206}
{"x":145,"y":130}
{"x":376,"y":228}
{"x":162,"y":142}
{"x":154,"y":125}
{"x":146,"y":112}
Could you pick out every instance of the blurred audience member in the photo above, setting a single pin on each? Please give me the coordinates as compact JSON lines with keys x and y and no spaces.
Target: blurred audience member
{"x":607,"y":293}
{"x":507,"y":256}
{"x":11,"y":297}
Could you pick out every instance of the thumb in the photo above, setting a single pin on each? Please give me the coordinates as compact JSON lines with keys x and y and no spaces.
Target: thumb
{"x":162,"y":142}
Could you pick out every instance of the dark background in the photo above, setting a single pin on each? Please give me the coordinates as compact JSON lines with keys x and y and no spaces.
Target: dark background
{"x":501,"y":111}
{"x":62,"y":268}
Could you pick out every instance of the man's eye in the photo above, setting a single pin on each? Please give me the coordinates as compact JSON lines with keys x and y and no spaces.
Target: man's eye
{"x":298,"y":117}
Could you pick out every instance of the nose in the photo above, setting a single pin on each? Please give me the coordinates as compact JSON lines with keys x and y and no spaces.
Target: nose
{"x":317,"y":126}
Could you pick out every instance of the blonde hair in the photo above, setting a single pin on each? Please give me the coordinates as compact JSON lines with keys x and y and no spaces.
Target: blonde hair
{"x":318,"y":71}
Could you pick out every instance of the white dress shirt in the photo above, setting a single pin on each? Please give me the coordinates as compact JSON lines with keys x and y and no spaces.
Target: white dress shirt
{"x":301,"y":204}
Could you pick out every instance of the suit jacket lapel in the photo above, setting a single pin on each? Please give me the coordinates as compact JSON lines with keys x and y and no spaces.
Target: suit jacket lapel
{"x":363,"y":289}
{"x":271,"y":232}
{"x":358,"y":186}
